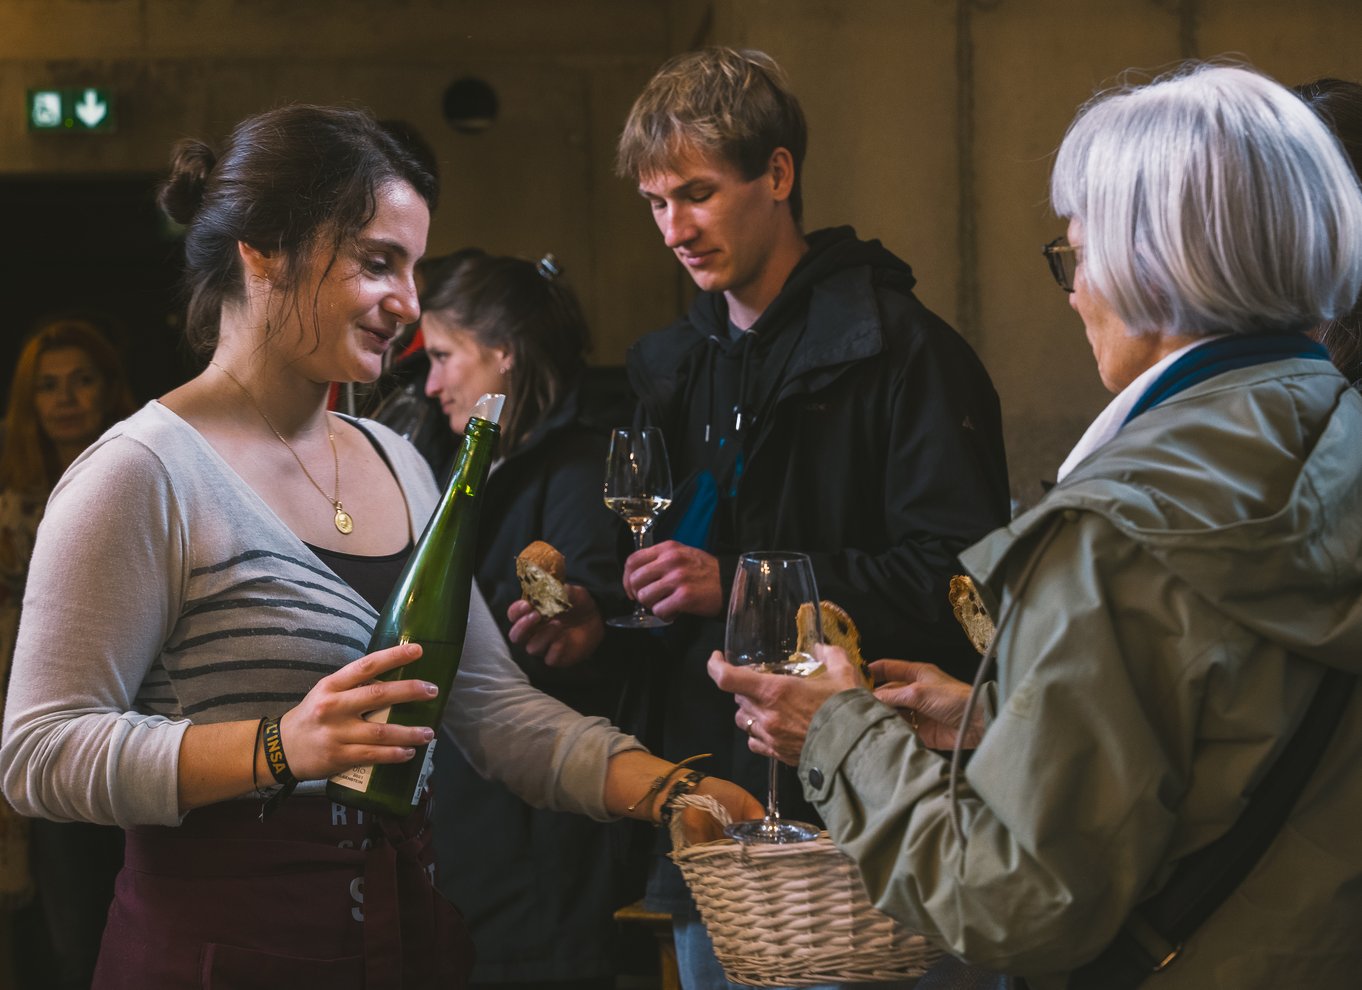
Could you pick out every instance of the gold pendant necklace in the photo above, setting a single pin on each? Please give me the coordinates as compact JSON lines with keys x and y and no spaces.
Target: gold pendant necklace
{"x":345,"y":523}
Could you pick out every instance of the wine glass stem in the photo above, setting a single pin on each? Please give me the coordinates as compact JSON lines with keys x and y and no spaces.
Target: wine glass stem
{"x":772,"y":812}
{"x":640,"y":541}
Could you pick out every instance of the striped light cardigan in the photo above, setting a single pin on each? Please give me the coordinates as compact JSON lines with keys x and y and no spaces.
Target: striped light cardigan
{"x":164,"y":591}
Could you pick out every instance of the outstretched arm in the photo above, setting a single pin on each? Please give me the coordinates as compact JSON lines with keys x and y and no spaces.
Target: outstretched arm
{"x":548,"y":754}
{"x":631,"y":775}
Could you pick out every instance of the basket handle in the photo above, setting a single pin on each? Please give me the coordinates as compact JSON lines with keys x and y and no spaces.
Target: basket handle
{"x":703,"y":802}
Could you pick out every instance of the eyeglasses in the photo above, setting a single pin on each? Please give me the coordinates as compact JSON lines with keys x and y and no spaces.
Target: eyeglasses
{"x":1063,"y":259}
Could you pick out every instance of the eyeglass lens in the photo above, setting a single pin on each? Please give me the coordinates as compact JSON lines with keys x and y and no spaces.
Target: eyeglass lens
{"x":1062,"y":260}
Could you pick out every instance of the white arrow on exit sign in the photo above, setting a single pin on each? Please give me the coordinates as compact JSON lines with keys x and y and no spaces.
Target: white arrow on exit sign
{"x":91,"y":110}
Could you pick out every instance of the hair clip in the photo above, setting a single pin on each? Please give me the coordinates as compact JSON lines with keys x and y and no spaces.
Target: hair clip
{"x":547,"y":266}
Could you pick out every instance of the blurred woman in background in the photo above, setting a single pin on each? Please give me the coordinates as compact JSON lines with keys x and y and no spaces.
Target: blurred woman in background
{"x":537,"y":886}
{"x":68,"y":388}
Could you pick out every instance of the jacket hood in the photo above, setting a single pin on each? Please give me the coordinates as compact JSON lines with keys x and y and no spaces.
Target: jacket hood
{"x":831,"y":250}
{"x":832,"y":283}
{"x":1261,"y":515}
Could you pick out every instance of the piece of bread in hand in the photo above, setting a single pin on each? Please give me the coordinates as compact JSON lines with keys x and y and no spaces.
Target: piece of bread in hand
{"x":970,"y":612}
{"x":540,"y":569}
{"x":838,"y":630}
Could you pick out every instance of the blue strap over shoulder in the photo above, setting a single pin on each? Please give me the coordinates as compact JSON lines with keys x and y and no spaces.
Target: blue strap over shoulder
{"x":1225,"y":354}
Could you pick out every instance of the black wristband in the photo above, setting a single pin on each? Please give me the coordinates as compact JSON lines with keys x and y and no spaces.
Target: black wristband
{"x":274,"y":752}
{"x":278,"y":764}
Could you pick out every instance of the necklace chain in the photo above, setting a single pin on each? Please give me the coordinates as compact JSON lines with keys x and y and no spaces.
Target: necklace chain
{"x":343,"y":520}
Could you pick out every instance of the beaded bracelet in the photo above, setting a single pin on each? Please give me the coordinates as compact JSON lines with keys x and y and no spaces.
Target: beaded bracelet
{"x":683,"y":786}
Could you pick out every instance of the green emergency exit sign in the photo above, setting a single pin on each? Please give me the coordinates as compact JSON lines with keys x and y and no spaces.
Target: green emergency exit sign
{"x":72,"y":110}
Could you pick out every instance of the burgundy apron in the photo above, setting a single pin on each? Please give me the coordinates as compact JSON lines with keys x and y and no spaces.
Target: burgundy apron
{"x":318,"y":895}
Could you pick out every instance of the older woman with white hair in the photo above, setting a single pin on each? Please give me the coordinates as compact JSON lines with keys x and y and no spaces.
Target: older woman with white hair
{"x":1179,"y":621}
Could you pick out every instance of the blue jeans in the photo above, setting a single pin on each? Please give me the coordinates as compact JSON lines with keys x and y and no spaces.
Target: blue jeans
{"x":700,"y":969}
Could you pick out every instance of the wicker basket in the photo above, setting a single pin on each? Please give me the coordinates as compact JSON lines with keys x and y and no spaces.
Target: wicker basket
{"x":792,"y":915}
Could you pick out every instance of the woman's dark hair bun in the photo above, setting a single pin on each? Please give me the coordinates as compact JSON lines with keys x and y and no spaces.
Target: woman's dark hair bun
{"x":182,"y":193}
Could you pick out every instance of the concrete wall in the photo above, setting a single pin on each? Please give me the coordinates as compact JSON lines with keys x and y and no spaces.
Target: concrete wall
{"x":539,"y":180}
{"x":932,"y":125}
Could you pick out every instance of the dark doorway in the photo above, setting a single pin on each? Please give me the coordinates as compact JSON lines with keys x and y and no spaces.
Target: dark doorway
{"x":97,"y":245}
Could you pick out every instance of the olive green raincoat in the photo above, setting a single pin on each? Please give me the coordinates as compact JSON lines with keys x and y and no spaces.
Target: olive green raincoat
{"x":1165,"y":616}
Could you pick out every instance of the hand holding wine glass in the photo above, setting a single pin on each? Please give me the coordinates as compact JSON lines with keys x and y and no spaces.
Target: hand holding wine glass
{"x":763,"y":633}
{"x":776,"y":712}
{"x":638,"y":486}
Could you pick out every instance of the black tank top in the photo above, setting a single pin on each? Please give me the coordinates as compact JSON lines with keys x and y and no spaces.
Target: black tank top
{"x":372,"y":577}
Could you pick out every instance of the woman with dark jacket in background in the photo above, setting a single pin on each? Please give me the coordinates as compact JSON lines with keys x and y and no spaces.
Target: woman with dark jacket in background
{"x":538,"y":887}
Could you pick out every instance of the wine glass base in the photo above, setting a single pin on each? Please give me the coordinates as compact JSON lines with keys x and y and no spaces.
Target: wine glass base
{"x":645,"y":620}
{"x":771,"y":830}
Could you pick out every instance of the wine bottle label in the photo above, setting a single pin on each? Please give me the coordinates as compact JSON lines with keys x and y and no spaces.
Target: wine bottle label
{"x":427,"y":765}
{"x":357,"y":778}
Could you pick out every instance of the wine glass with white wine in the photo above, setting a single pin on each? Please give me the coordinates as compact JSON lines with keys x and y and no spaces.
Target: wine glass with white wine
{"x":638,"y":486}
{"x":769,"y":589}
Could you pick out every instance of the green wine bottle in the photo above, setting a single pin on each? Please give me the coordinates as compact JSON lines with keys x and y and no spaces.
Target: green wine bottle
{"x":429,"y":605}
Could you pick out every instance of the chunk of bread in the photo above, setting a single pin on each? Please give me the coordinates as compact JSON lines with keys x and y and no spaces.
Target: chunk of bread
{"x":540,"y":569}
{"x":838,"y":630}
{"x":970,"y":612}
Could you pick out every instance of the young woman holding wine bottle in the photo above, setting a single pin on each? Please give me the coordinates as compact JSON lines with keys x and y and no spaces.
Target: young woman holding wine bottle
{"x":206,"y":580}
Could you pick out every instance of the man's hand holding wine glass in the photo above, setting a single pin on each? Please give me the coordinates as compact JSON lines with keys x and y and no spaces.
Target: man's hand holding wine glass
{"x":638,"y":486}
{"x":672,"y":579}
